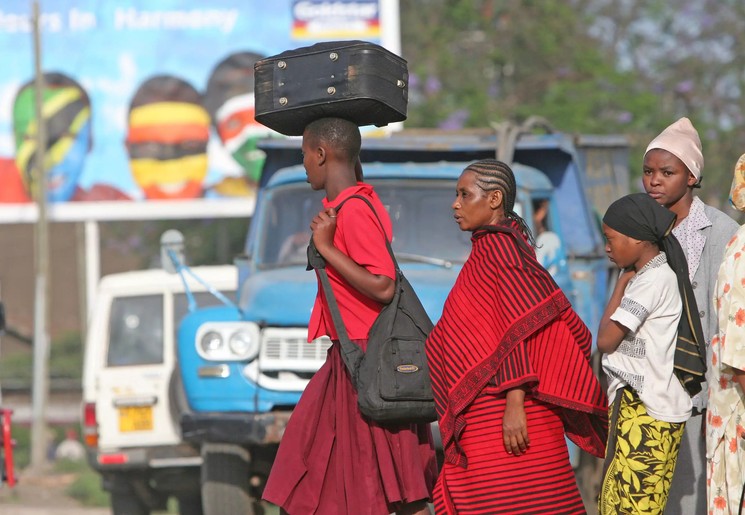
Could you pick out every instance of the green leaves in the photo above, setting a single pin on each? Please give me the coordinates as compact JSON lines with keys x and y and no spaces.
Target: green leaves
{"x":588,"y":66}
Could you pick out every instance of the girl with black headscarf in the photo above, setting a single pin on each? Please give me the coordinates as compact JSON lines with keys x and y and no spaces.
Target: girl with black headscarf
{"x":654,"y":355}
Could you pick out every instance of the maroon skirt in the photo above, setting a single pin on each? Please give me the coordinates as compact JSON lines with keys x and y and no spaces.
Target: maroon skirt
{"x":537,"y":482}
{"x":333,"y":461}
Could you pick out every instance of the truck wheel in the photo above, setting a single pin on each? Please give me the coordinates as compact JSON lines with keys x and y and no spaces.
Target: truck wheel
{"x":127,"y":503}
{"x":225,"y":473}
{"x":190,"y":505}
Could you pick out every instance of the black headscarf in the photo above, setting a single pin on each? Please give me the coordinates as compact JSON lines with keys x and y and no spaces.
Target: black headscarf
{"x":639,"y":216}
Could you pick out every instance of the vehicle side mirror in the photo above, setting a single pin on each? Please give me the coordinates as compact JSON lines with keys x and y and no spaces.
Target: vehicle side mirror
{"x":172,"y":251}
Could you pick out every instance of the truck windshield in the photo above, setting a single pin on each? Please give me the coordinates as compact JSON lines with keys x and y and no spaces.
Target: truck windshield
{"x":423,"y":226}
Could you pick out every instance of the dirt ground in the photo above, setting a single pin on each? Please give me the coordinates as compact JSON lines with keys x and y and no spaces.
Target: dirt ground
{"x":43,"y":494}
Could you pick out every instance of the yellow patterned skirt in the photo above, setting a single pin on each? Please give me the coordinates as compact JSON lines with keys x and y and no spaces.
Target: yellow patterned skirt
{"x":639,"y":460}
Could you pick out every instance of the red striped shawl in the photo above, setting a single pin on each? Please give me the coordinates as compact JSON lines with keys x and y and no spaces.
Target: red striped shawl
{"x":506,"y":323}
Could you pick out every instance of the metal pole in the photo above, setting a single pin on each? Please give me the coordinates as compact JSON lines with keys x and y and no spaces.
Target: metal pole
{"x":40,"y":385}
{"x":81,"y":282}
{"x":390,"y":38}
{"x":92,"y":266}
{"x":390,"y":23}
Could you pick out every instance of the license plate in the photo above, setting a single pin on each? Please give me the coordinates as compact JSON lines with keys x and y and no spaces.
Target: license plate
{"x":135,"y":418}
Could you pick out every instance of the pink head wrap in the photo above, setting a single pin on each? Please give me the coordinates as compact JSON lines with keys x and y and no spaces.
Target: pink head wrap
{"x":737,"y":192}
{"x":682,"y":141}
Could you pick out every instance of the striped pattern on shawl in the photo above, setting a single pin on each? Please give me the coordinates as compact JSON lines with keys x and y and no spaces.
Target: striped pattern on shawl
{"x":496,"y":329}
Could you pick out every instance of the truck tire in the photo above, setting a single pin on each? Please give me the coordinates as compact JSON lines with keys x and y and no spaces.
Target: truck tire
{"x":225,"y":474}
{"x":190,"y":505}
{"x":127,"y":503}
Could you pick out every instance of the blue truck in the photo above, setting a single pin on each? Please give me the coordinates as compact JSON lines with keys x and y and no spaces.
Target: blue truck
{"x":243,"y":368}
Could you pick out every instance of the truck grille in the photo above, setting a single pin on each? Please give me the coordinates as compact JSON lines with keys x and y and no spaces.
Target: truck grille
{"x":286,"y":360}
{"x":277,"y":347}
{"x":288,"y":349}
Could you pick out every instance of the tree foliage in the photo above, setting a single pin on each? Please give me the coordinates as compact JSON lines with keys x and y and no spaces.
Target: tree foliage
{"x":593,"y":66}
{"x":690,"y":54}
{"x":206,"y":242}
{"x":513,"y":59}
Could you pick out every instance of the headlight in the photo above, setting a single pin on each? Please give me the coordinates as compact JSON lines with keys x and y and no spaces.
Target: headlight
{"x":245,"y":344}
{"x":228,"y":341}
{"x":211,"y":342}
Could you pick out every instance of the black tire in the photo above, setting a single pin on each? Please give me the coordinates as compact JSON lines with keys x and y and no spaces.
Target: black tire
{"x":225,"y":474}
{"x":126,"y":502}
{"x":190,"y":505}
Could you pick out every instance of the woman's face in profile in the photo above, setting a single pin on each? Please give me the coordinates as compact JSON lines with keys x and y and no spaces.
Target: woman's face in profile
{"x":474,"y":207}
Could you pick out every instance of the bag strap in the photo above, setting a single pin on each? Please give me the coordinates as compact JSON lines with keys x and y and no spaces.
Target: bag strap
{"x":382,"y":228}
{"x":351,"y":353}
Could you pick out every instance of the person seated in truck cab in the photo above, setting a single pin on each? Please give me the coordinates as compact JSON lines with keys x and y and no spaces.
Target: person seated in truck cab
{"x":548,"y":249}
{"x":294,"y":248}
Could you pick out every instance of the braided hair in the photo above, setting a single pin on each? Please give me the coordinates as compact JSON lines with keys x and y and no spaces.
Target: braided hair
{"x":491,"y":175}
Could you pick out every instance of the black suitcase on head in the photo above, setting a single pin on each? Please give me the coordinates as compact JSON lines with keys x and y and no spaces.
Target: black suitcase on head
{"x":359,"y":81}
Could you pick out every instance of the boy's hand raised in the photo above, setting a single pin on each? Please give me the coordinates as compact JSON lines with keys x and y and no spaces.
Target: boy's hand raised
{"x":323,"y":226}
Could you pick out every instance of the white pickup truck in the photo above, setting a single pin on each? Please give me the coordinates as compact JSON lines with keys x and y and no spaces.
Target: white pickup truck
{"x":132,"y":394}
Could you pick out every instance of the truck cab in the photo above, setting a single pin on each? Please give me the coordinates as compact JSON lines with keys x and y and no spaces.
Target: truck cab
{"x":244,"y":369}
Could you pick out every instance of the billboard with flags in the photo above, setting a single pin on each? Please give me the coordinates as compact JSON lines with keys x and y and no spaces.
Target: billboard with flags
{"x":151,"y":99}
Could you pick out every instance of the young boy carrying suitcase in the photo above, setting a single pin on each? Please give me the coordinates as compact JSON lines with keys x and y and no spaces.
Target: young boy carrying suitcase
{"x":331,"y":459}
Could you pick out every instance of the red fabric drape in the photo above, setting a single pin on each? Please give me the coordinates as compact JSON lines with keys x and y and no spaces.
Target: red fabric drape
{"x":332,"y":461}
{"x":507,"y":323}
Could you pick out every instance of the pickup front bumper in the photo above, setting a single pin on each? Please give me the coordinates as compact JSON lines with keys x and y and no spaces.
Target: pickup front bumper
{"x":237,"y":428}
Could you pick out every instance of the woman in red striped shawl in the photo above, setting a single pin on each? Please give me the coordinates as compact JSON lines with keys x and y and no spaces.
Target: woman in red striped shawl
{"x":510,"y":368}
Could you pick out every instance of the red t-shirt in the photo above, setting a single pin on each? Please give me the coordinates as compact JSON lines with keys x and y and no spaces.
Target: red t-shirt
{"x":359,"y":236}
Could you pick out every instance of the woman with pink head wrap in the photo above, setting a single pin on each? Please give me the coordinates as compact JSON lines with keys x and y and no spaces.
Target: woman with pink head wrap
{"x":681,"y":140}
{"x":725,"y":418}
{"x":673,"y":169}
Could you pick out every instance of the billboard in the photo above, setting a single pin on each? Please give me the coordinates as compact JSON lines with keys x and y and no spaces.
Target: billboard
{"x":149,"y":100}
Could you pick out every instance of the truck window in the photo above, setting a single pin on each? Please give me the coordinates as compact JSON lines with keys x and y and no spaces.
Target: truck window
{"x":136,"y":331}
{"x":286,"y":232}
{"x":420,"y":210}
{"x":423,"y":221}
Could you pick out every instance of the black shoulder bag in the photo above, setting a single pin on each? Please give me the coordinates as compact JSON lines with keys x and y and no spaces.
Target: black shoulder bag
{"x":392,"y":377}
